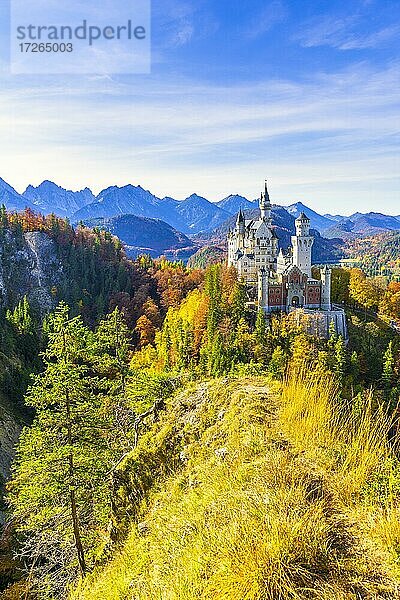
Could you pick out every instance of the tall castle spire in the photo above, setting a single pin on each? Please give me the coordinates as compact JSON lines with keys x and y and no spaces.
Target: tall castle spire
{"x":265,"y":205}
{"x":240,"y":223}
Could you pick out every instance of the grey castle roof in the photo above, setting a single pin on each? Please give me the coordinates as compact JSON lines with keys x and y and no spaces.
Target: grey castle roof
{"x":303,"y":217}
{"x":240,"y":217}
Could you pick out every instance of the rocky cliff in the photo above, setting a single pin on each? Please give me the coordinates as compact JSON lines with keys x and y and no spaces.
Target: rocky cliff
{"x":29,"y":266}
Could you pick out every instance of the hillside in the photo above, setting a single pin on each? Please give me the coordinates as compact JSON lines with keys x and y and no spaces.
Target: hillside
{"x":205,"y":256}
{"x":142,"y":235}
{"x":30,"y":266}
{"x":45,"y":261}
{"x":167,"y":449}
{"x":246,"y":491}
{"x":379,"y":254}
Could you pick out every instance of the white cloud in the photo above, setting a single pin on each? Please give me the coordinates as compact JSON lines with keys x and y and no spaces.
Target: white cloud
{"x":373,"y":40}
{"x":334,"y":132}
{"x":275,"y":12}
{"x":184,"y":34}
{"x":343,"y":34}
{"x":180,"y":21}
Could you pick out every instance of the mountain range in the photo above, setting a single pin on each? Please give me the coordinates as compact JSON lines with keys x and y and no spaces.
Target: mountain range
{"x":191,"y":216}
{"x":11,"y":199}
{"x":361,"y":225}
{"x":49,"y":197}
{"x":142,"y":235}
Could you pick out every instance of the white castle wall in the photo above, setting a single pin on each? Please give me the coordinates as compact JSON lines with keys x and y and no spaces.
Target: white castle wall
{"x":318,"y":322}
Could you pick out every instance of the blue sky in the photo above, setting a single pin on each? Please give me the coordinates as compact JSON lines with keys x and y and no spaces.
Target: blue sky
{"x":304,"y":92}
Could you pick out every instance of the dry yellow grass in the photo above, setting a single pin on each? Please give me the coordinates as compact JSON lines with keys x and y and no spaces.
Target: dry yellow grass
{"x":275,"y":498}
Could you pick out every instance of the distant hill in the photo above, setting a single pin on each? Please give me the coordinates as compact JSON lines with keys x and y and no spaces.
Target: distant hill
{"x":206,"y":256}
{"x":142,"y":235}
{"x":233,"y":203}
{"x":362,"y":225}
{"x":200,"y":214}
{"x":318,"y":221}
{"x":336,"y":218}
{"x":379,"y":254}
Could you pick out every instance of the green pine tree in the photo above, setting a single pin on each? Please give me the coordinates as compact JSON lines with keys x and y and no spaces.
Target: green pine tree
{"x":388,"y":366}
{"x":59,"y":491}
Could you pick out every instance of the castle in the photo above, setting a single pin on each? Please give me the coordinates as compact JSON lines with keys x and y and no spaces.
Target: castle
{"x":283,"y":280}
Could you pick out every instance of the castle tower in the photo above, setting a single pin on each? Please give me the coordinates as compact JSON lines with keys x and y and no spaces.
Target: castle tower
{"x":263,"y":289}
{"x":265,"y":206}
{"x":302,"y":244}
{"x":326,"y":276}
{"x":280,"y":262}
{"x":240,"y":223}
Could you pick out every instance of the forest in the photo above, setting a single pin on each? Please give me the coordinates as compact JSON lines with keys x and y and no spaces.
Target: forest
{"x":378,"y":254}
{"x":123,"y":387}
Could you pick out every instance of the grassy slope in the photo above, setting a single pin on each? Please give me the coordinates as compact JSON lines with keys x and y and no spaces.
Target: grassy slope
{"x":260,"y":494}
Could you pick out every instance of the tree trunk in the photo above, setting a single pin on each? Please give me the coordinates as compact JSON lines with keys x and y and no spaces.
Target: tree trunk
{"x":77,"y":535}
{"x":74,"y":512}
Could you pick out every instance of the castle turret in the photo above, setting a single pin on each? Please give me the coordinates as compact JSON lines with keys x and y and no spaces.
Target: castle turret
{"x":302,"y":244}
{"x":265,"y":206}
{"x":263,"y":289}
{"x":326,"y":276}
{"x":302,"y":224}
{"x":281,"y":262}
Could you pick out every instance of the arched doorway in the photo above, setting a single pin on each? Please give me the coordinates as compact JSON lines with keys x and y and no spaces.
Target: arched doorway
{"x":295,"y":301}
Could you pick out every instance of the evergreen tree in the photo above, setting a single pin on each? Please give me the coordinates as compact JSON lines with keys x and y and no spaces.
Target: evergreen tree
{"x":262,"y":339}
{"x":340,"y":358}
{"x":355,"y":366}
{"x":278,"y":362}
{"x":21,"y":317}
{"x":216,"y":357}
{"x":59,"y":492}
{"x":302,"y":352}
{"x":261,"y":328}
{"x":243,"y":342}
{"x":213,"y":291}
{"x":238,"y":308}
{"x":388,"y":366}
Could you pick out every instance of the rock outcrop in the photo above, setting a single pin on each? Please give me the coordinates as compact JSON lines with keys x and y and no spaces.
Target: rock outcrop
{"x":29,"y":266}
